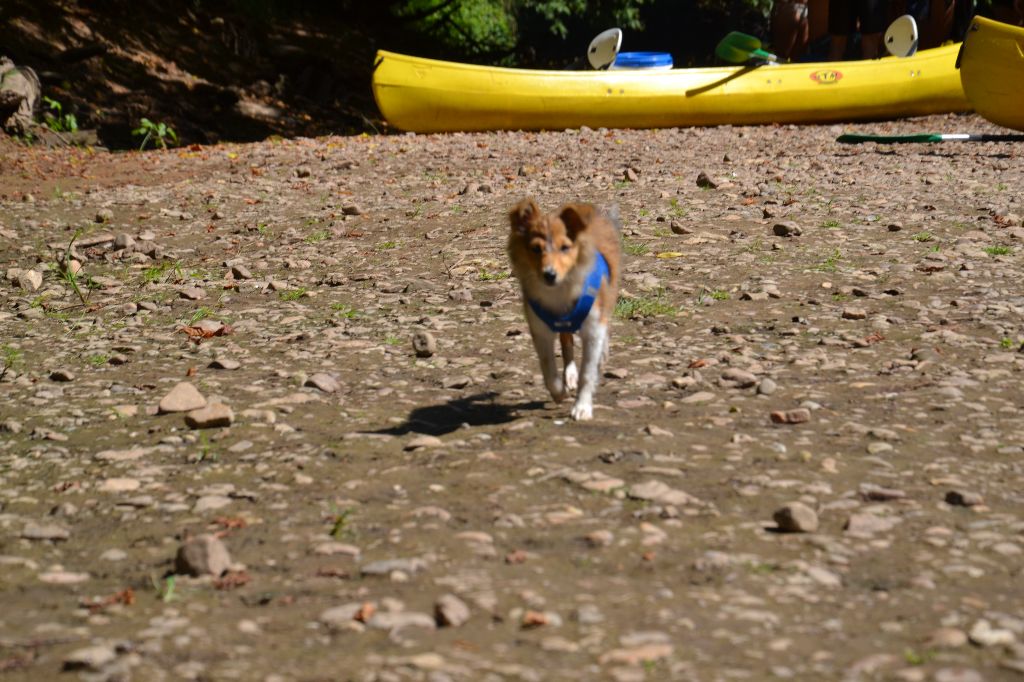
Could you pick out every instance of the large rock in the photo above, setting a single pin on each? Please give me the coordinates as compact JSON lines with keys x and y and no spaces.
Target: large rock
{"x":20,"y":92}
{"x":182,"y":398}
{"x":202,"y":555}
{"x":796,"y":517}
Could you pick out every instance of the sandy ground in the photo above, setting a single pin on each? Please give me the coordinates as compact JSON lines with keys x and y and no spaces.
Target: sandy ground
{"x":805,"y":462}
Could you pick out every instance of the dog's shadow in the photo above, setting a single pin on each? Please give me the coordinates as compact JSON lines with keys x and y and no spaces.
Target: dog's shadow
{"x":480,"y":409}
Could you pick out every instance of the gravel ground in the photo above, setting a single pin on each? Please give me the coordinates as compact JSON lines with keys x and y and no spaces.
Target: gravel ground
{"x":223,"y":457}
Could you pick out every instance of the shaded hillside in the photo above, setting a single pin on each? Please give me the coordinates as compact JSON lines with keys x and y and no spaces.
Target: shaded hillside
{"x":210,"y":75}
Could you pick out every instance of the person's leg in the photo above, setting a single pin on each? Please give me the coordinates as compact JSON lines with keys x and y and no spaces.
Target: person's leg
{"x":841,"y":22}
{"x":873,"y":15}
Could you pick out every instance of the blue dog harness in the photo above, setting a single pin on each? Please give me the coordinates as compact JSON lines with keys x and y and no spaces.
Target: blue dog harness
{"x":573,"y":320}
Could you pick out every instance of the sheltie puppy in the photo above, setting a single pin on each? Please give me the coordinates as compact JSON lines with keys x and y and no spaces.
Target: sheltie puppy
{"x":568,"y":266}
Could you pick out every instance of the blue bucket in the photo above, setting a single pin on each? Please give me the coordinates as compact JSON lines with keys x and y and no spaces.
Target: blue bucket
{"x":643,"y":60}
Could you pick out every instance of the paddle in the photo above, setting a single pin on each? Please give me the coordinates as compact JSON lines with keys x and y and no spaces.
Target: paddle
{"x":901,"y":37}
{"x":852,"y":138}
{"x":739,"y":48}
{"x":604,"y":48}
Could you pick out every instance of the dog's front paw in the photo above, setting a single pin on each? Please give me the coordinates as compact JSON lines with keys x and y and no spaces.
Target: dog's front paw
{"x":557,"y":390}
{"x":572,"y":377}
{"x":582,"y":412}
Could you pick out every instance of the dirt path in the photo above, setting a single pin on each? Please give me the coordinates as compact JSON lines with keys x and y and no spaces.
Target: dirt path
{"x":390,"y":517}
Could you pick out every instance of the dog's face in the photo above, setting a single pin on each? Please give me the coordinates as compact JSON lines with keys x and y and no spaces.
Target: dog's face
{"x":548,"y":245}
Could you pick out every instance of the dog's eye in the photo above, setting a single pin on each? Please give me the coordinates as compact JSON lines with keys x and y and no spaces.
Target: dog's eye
{"x":565,"y":248}
{"x":536,"y":248}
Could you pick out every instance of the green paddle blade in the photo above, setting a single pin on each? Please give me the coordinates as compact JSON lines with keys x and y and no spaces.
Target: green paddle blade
{"x":852,"y":138}
{"x":737,"y":48}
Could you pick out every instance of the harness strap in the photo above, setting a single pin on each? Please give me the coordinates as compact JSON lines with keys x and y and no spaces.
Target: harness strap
{"x":573,"y":320}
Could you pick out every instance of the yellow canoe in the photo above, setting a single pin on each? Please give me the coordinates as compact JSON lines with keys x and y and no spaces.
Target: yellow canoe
{"x":427,"y":95}
{"x":992,"y":71}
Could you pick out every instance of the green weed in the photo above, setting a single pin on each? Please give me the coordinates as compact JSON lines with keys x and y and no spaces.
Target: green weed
{"x":644,"y":306}
{"x":200,"y":314}
{"x":485,"y":276}
{"x":676,"y":210}
{"x":636,"y":248}
{"x":830,"y":264}
{"x":345,"y":310}
{"x":318,"y":236}
{"x":292,"y":295}
{"x":831,"y":223}
{"x":11,"y":358}
{"x":339,"y":523}
{"x":386,"y":246}
{"x":720,"y":295}
{"x":161,"y":132}
{"x":924,"y":237}
{"x":98,"y":359}
{"x":56,"y":120}
{"x":998,"y":250}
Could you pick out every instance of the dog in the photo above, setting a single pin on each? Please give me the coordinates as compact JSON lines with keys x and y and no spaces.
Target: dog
{"x":568,"y":266}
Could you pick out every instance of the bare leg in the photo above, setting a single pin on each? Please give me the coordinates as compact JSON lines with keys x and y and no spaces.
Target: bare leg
{"x":544,"y":343}
{"x":594,"y":335}
{"x":836,"y":48}
{"x":570,"y":375}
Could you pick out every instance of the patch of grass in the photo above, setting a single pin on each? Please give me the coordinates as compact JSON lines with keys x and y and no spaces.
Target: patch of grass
{"x":914,"y":658}
{"x":164,"y":591}
{"x":200,"y":314}
{"x":11,"y":358}
{"x":924,"y":237}
{"x":160,"y":132}
{"x":293,"y":294}
{"x":70,"y":276}
{"x":998,"y":250}
{"x":830,"y":264}
{"x":1006,"y":343}
{"x":56,"y":120}
{"x":636,"y":248}
{"x":762,"y":567}
{"x":485,"y":276}
{"x":318,"y":236}
{"x":643,"y":213}
{"x":621,"y":184}
{"x":157,"y":272}
{"x":386,"y":246}
{"x":98,"y":359}
{"x":675,"y":210}
{"x":340,"y":523}
{"x":392,"y":340}
{"x":831,"y":223}
{"x":720,"y":295}
{"x":345,"y":310}
{"x":206,"y":451}
{"x":644,"y":306}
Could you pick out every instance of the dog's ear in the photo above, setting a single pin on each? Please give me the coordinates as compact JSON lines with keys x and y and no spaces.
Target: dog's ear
{"x":576,"y":217}
{"x":523,"y":215}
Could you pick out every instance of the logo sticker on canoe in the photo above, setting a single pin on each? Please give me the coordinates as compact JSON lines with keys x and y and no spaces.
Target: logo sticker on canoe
{"x":826,"y":76}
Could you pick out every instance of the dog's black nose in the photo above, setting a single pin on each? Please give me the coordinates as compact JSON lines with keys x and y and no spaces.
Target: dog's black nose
{"x":550,"y":275}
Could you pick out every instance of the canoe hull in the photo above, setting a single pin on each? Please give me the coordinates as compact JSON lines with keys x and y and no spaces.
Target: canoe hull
{"x":992,"y":71}
{"x":425,"y":95}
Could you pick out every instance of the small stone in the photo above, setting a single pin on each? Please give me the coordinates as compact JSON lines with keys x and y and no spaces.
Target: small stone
{"x":323,"y":382}
{"x":351,"y":209}
{"x":397,"y":620}
{"x":796,"y":517}
{"x":182,"y":398}
{"x":450,"y":611}
{"x":854,"y":314}
{"x":947,"y":638}
{"x":123,"y":241}
{"x":119,"y":485}
{"x":799,"y":415}
{"x":303,"y":172}
{"x":983,"y":634}
{"x":240,"y":272}
{"x":963,"y":498}
{"x":48,"y":531}
{"x":456,"y":382}
{"x":104,"y":215}
{"x":192,"y":293}
{"x":91,"y":658}
{"x":734,"y":377}
{"x":895,"y":226}
{"x":704,"y":181}
{"x":698,"y":397}
{"x":61,"y":375}
{"x":424,"y":344}
{"x":678,"y":228}
{"x":423,"y":441}
{"x":865,"y":525}
{"x":30,"y":280}
{"x":599,"y":538}
{"x":225,"y":363}
{"x":202,"y":555}
{"x":787,"y":228}
{"x":767,"y":386}
{"x":212,"y":416}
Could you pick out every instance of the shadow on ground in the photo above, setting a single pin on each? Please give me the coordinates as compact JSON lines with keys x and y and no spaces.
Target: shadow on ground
{"x":480,"y":409}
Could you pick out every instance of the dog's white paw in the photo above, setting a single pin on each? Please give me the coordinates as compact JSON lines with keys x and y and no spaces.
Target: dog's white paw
{"x":582,"y":412}
{"x":572,"y":377}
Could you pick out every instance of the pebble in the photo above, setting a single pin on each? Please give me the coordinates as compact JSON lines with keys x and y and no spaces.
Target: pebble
{"x":767,"y":386}
{"x":241,"y":272}
{"x":787,"y":228}
{"x":450,"y":611}
{"x":202,"y":555}
{"x":983,"y":634}
{"x":738,"y":378}
{"x":424,"y":344}
{"x":323,"y":382}
{"x":964,"y":498}
{"x":212,"y":416}
{"x":91,"y":658}
{"x":45,"y":531}
{"x":30,"y":280}
{"x":421,"y":441}
{"x":62,"y":375}
{"x":704,"y":181}
{"x":947,"y":638}
{"x":796,"y":517}
{"x":184,"y":397}
{"x":225,"y":363}
{"x":123,"y":241}
{"x":104,"y":215}
{"x":799,"y":415}
{"x":192,"y":293}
